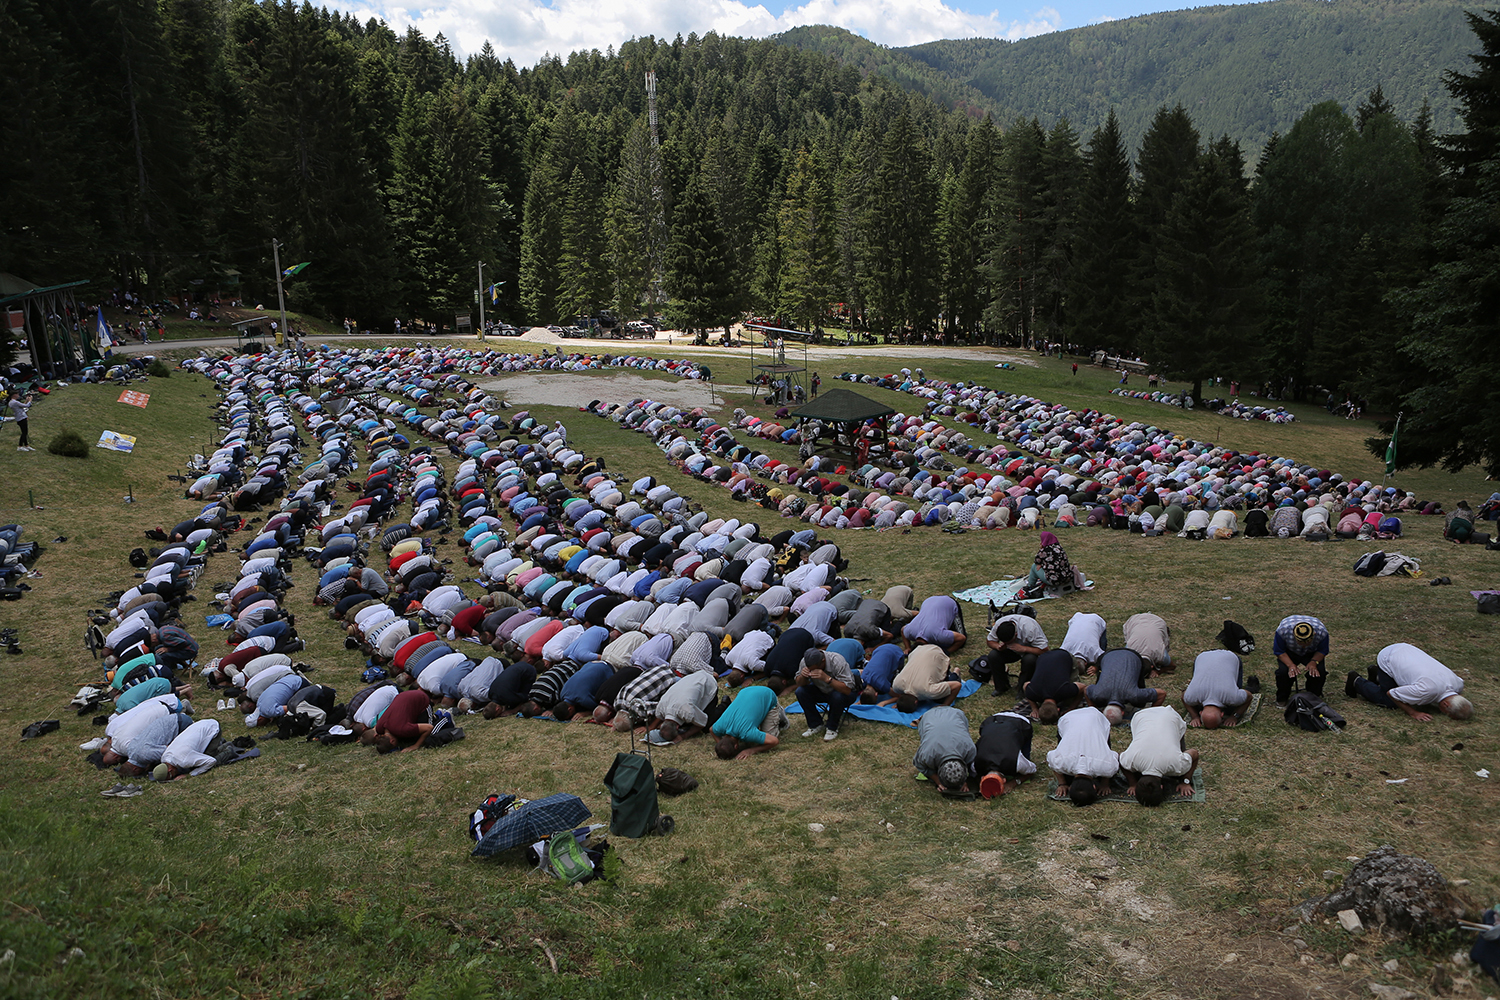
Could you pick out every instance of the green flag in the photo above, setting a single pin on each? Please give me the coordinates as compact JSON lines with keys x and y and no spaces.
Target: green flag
{"x":1390,"y":449}
{"x":295,"y":269}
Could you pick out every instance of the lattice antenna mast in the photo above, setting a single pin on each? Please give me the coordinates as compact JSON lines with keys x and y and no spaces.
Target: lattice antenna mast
{"x":657,"y":236}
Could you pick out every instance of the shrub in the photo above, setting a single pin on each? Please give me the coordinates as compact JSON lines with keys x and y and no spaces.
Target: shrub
{"x":69,"y":444}
{"x":159,"y":370}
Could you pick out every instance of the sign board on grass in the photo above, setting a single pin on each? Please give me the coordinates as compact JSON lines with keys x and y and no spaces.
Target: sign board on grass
{"x":116,"y":442}
{"x":135,"y":398}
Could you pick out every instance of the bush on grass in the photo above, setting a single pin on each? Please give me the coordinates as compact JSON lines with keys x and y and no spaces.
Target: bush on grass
{"x":158,"y":370}
{"x":68,"y":444}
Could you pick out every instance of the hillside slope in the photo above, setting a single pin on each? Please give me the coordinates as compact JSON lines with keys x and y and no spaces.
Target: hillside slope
{"x":1245,"y":71}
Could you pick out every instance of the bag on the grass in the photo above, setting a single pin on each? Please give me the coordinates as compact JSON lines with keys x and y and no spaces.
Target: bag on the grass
{"x":1309,"y":712}
{"x":632,"y":791}
{"x":1489,"y":604}
{"x":489,"y":811}
{"x":1369,"y":564}
{"x":1234,"y":637}
{"x":673,"y":781}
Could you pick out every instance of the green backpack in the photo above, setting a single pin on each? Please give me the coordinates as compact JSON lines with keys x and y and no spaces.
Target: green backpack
{"x":566,"y":859}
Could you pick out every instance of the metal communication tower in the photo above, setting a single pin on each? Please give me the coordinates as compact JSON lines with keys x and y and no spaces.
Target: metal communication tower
{"x":657,"y":236}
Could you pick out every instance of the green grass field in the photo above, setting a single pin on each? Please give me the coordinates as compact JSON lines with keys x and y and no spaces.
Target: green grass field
{"x":329,"y":873}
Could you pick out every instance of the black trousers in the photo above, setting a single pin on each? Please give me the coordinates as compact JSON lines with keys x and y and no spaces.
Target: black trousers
{"x":1284,"y":679}
{"x":991,"y":666}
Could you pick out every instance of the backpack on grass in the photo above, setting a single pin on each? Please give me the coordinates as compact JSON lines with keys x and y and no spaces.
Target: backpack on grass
{"x":1308,"y":712}
{"x":489,"y":811}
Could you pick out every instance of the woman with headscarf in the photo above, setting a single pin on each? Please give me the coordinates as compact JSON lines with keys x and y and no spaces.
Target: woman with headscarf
{"x":1051,"y":567}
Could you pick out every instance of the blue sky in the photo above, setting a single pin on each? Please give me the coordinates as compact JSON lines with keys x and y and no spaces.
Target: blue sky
{"x":525,"y":30}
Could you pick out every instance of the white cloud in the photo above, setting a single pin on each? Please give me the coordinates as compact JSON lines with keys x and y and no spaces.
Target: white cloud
{"x":525,"y":30}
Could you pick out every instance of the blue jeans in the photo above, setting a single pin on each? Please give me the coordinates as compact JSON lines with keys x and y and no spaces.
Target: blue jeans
{"x":809,"y":697}
{"x":1375,"y":692}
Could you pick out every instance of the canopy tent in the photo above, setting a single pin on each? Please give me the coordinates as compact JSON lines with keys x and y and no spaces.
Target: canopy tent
{"x":847,"y":413}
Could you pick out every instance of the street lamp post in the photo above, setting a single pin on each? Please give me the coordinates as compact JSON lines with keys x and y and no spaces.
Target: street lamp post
{"x":481,"y":302}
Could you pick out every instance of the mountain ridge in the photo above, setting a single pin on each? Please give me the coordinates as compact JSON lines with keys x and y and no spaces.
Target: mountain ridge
{"x":1243,"y":70}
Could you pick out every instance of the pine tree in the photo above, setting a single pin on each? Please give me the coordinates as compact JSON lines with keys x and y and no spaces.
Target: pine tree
{"x":807,"y":231}
{"x":1452,"y":418}
{"x":964,"y":231}
{"x":1167,"y":160}
{"x":584,"y":284}
{"x":1020,"y":206}
{"x":1099,"y":289}
{"x":899,"y":267}
{"x":1065,"y":171}
{"x":1206,"y":301}
{"x":698,"y":275}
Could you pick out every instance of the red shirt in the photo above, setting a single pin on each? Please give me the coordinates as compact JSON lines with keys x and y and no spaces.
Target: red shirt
{"x":406,"y":710}
{"x":467,"y":620}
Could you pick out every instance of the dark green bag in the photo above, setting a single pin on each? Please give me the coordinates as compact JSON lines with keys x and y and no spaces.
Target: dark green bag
{"x":632,"y":795}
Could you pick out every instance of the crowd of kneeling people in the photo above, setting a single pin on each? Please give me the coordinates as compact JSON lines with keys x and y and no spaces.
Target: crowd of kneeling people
{"x":610,"y":600}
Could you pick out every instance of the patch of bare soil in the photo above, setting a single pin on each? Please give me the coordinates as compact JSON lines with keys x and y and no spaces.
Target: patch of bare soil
{"x":579,"y":389}
{"x":1110,"y":911}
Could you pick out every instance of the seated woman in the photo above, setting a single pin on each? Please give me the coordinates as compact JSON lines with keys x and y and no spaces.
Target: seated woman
{"x":1052,"y":569}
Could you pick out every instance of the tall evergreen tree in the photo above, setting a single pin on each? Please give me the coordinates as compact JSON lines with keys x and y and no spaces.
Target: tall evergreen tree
{"x":584,"y":286}
{"x":1064,"y":168}
{"x":1099,"y":289}
{"x":1168,"y":159}
{"x":1021,"y":208}
{"x":1206,"y":301}
{"x":1453,"y":419}
{"x":900,"y":267}
{"x":965,"y":230}
{"x":807,"y":233}
{"x":703,"y":290}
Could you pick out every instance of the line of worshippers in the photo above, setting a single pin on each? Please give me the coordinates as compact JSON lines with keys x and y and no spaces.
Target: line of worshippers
{"x":148,"y":653}
{"x":1085,"y":689}
{"x":541,"y":514}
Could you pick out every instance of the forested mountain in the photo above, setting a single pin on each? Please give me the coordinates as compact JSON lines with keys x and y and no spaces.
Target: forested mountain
{"x":1245,"y":70}
{"x":162,"y":145}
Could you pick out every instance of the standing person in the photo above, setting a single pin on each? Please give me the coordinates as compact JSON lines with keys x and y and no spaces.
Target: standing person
{"x":1075,"y":368}
{"x":816,"y":381}
{"x":19,"y":408}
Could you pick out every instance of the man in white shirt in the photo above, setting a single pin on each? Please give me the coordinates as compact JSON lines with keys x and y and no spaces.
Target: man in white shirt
{"x":1083,"y":761}
{"x":1158,"y":750}
{"x":1085,"y":640}
{"x":1407,"y":678}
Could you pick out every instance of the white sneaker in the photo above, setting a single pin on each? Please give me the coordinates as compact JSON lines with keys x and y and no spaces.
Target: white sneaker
{"x":815,"y":730}
{"x":93,"y":744}
{"x":830,"y":736}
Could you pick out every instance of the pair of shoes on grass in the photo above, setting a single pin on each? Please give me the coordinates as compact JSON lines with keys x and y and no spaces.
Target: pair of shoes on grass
{"x":829,"y":735}
{"x":122,"y":791}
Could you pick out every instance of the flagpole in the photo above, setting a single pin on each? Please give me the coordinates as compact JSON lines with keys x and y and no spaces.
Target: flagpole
{"x":280,"y":295}
{"x":1390,"y":452}
{"x":481,"y":302}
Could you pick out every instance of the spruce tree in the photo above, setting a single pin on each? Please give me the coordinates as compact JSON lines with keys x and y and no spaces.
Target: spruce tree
{"x":1206,"y":301}
{"x":1100,"y":286}
{"x":698,"y":273}
{"x":807,"y":231}
{"x":899,"y":264}
{"x":1452,"y":419}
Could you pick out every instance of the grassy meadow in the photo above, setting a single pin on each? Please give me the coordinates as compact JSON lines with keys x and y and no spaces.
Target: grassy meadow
{"x":331,"y":873}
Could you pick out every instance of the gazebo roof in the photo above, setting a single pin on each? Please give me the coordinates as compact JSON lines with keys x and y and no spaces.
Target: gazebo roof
{"x":840,"y":406}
